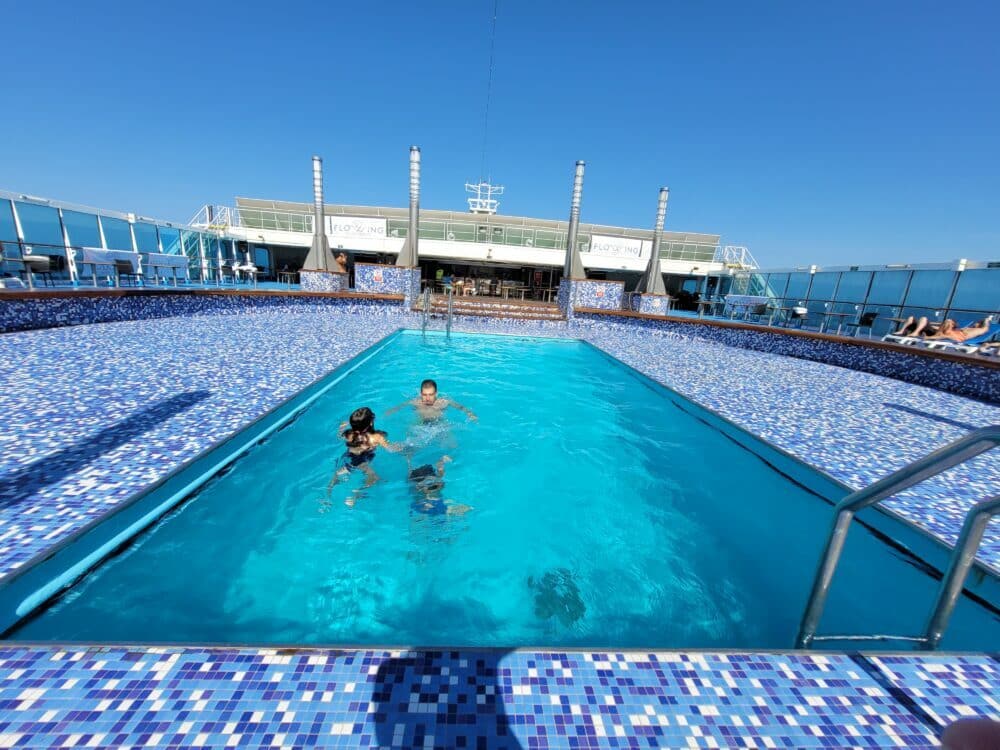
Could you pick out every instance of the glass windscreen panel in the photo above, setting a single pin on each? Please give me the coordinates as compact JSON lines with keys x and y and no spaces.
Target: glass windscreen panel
{"x":170,"y":239}
{"x":777,"y":283}
{"x":824,"y":286}
{"x":798,"y":285}
{"x":978,"y":289}
{"x":888,"y":287}
{"x":82,"y":229}
{"x":930,"y":289}
{"x":145,"y":237}
{"x":40,"y":225}
{"x":117,"y":233}
{"x":8,"y":229}
{"x":853,"y":286}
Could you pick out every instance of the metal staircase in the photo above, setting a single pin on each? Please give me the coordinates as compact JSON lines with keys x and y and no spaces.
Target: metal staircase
{"x":962,"y":558}
{"x":215,"y":218}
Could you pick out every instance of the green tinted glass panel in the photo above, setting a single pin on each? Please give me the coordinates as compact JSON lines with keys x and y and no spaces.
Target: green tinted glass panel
{"x":432,"y":230}
{"x":461,"y":232}
{"x":548,"y":239}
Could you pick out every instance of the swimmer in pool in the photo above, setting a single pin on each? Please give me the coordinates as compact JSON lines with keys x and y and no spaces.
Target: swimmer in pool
{"x":427,"y":482}
{"x":429,"y":406}
{"x":361,"y":440}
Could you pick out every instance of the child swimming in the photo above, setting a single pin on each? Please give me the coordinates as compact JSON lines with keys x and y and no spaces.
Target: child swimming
{"x":361,"y":440}
{"x":428,"y":483}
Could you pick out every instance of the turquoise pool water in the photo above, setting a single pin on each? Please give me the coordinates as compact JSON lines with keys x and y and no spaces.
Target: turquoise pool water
{"x":602,"y":514}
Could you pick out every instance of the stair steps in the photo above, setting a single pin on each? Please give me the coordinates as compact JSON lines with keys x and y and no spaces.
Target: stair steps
{"x":491,"y":307}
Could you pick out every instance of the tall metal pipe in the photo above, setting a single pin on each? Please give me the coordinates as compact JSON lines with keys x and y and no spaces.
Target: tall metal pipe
{"x":319,"y":258}
{"x":409,"y":254}
{"x":651,"y":281}
{"x":573,"y":266}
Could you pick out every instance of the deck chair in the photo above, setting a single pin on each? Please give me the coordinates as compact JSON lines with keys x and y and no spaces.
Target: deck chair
{"x":969,"y":346}
{"x":990,"y":348}
{"x":38,"y":265}
{"x":758,"y":311}
{"x":124,"y":270}
{"x":867,"y":320}
{"x":799,"y":314}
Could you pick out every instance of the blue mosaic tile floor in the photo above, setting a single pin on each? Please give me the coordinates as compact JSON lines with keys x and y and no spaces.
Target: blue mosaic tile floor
{"x":94,"y":414}
{"x":189,"y":697}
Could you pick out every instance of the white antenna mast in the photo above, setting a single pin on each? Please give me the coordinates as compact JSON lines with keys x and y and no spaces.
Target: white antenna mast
{"x":484,"y":202}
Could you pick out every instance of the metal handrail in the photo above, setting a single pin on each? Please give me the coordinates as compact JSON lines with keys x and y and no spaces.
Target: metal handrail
{"x":451,"y":298}
{"x":969,"y":446}
{"x":958,"y":568}
{"x":427,"y":307}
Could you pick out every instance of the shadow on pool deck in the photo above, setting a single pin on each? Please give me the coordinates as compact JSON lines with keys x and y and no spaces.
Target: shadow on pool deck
{"x":442,"y":699}
{"x":929,"y":415}
{"x":22,"y":483}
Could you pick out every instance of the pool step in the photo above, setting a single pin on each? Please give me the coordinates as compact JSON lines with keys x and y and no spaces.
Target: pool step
{"x":493,"y":308}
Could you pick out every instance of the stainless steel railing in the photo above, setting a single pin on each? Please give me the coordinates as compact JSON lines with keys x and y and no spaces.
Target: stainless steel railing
{"x":427,"y":307}
{"x":963,"y":555}
{"x":451,"y":300}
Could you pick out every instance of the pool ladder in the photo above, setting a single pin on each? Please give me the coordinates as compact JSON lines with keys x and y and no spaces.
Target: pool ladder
{"x":427,"y":310}
{"x":962,"y":557}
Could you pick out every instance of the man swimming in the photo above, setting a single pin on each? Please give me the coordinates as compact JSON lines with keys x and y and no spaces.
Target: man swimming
{"x":429,"y":406}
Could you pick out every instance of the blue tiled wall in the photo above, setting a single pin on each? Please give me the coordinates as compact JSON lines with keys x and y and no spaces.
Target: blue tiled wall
{"x":651,"y":304}
{"x":27,"y":314}
{"x":381,"y":279}
{"x":972,"y":380}
{"x":322,"y":281}
{"x":602,"y":295}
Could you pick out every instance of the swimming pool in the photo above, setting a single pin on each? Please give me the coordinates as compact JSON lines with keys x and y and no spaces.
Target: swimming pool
{"x":599,"y":518}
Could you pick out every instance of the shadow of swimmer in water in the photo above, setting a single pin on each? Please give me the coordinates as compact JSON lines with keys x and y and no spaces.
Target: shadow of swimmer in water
{"x":557,"y":595}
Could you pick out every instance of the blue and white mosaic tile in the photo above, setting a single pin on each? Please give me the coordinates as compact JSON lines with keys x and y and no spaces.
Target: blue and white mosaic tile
{"x":190,"y":697}
{"x":947,"y":688}
{"x":372,"y":278}
{"x":96,"y":413}
{"x":651,"y":304}
{"x":602,"y":295}
{"x":322,"y":281}
{"x":82,"y":308}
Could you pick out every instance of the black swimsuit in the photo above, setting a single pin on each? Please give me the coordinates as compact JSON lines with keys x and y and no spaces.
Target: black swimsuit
{"x":357,"y":459}
{"x":354,"y":460}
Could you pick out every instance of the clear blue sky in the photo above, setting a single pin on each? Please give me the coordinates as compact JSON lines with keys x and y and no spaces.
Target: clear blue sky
{"x":812,"y":132}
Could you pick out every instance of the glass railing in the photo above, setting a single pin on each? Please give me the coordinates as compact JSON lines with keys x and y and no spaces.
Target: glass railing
{"x":469,"y":231}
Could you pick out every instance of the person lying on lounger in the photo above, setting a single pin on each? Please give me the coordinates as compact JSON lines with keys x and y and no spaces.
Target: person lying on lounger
{"x":960,"y":335}
{"x":920,"y":327}
{"x":949,"y":330}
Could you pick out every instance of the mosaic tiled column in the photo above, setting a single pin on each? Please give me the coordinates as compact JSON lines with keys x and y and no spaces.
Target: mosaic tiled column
{"x":378,"y":279}
{"x":651,"y":304}
{"x":322,"y":281}
{"x":602,"y":295}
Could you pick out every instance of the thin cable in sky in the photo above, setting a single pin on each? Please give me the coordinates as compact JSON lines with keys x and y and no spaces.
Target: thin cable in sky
{"x":489,"y":91}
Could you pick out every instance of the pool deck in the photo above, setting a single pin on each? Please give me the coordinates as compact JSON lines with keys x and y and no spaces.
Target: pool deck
{"x":94,"y":414}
